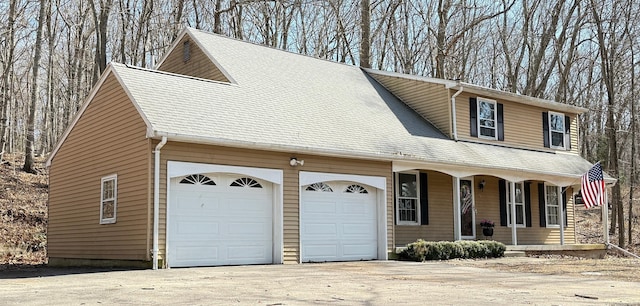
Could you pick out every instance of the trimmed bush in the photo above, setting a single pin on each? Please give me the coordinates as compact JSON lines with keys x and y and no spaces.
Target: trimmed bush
{"x":443,"y":250}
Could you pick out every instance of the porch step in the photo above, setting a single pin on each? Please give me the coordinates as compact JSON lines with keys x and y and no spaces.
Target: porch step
{"x":514,"y":254}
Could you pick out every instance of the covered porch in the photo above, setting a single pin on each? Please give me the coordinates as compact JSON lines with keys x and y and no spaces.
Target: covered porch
{"x":527,"y":195}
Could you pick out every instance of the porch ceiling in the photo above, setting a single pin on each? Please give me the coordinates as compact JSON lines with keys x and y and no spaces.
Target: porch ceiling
{"x":462,"y":159}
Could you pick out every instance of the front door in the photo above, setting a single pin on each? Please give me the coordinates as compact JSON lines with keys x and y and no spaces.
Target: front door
{"x":467,"y":210}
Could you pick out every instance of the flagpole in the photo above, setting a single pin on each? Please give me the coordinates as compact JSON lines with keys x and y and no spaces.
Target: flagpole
{"x":605,"y":219}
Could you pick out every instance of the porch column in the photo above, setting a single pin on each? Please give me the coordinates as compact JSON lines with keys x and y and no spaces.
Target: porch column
{"x":605,"y":220}
{"x":562,"y":212}
{"x":457,"y":231}
{"x":514,"y":234}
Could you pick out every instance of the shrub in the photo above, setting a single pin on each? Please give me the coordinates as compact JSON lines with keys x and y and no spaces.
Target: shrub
{"x":443,"y":250}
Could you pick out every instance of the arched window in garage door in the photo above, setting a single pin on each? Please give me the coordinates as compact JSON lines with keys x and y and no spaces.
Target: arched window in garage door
{"x":355,"y":189}
{"x":322,"y":187}
{"x":198,"y":179}
{"x":246,"y":182}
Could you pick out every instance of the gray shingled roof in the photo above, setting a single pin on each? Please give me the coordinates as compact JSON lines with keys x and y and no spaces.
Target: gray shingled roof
{"x":288,"y":102}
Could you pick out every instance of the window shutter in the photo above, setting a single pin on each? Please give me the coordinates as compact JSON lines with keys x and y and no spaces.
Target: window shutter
{"x":545,"y":129}
{"x":500,"y":122}
{"x":395,"y":200}
{"x":541,"y":204}
{"x":527,"y":202}
{"x":567,"y":132}
{"x":424,"y":200}
{"x":502,"y":189}
{"x":473,"y":112}
{"x":564,"y":205}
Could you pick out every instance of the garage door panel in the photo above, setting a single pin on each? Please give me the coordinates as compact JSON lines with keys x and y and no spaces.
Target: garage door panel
{"x":321,"y":251}
{"x":320,"y":229}
{"x":194,"y":205}
{"x":198,"y":228}
{"x":358,"y":251}
{"x":254,"y":228}
{"x":354,"y":230}
{"x":196,"y":253}
{"x":356,"y":208}
{"x":319,"y":207}
{"x":255,"y":252}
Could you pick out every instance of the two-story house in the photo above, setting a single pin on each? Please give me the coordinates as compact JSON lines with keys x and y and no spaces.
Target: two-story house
{"x":235,"y":153}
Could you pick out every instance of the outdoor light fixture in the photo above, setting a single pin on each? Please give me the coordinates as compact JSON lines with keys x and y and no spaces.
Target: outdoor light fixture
{"x":481,"y":185}
{"x":294,"y":162}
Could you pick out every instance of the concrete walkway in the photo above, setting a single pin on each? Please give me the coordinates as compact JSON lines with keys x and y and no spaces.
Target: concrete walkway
{"x":353,"y":283}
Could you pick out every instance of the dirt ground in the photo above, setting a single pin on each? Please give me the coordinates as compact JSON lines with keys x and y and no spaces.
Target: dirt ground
{"x":612,"y":268}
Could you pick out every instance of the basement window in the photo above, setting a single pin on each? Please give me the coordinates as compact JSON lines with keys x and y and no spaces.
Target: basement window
{"x":109,"y":199}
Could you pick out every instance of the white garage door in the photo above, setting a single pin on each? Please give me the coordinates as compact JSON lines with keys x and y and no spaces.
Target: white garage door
{"x":338,"y":222}
{"x":220,"y":219}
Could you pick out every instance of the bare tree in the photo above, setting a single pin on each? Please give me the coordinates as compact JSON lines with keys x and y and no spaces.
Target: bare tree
{"x":30,"y":141}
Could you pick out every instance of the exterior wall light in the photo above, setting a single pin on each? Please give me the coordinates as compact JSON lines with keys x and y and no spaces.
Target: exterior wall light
{"x":294,"y":162}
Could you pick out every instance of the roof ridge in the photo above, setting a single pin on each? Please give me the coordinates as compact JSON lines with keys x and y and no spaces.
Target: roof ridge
{"x":168,"y":73}
{"x":257,"y":44}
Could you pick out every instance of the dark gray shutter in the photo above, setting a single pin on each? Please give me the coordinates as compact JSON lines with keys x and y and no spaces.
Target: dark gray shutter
{"x":473,"y":114}
{"x":424,"y":200}
{"x":395,"y":199}
{"x":527,"y":202}
{"x":541,"y":204}
{"x":567,"y":132}
{"x":564,"y":206}
{"x":500,"y":122}
{"x":545,"y":129}
{"x":502,"y":189}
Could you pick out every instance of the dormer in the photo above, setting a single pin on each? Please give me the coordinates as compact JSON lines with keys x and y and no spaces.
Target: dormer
{"x":187,"y":56}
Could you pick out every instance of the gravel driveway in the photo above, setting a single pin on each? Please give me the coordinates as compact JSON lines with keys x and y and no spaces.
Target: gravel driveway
{"x":352,"y":283}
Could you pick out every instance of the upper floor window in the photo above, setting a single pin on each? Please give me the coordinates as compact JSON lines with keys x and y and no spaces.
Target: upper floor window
{"x":108,"y":199}
{"x":519,"y":203}
{"x":552,"y":207}
{"x":557,"y":130}
{"x":487,"y":119}
{"x":408,"y":198}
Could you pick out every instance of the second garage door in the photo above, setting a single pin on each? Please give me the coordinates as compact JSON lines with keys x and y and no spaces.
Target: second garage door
{"x":338,"y":222}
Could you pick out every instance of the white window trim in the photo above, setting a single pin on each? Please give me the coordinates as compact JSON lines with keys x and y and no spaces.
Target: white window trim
{"x":114,"y":178}
{"x":564,"y":140}
{"x":495,"y":118}
{"x":524,"y":209}
{"x":397,"y":190}
{"x":547,"y":205}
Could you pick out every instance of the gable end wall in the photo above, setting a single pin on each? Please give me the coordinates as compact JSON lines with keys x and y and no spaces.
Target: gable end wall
{"x":198,"y":65}
{"x":109,"y":138}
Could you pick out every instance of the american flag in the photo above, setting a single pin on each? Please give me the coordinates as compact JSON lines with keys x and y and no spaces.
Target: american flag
{"x":593,"y":190}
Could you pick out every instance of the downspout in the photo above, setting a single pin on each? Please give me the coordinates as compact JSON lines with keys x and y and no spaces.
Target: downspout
{"x":453,"y":112}
{"x":156,"y":201}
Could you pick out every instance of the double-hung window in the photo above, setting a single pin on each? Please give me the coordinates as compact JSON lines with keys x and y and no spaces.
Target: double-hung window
{"x":552,"y":208}
{"x":487,"y":119}
{"x":519,"y":203}
{"x":108,"y":199}
{"x":557,"y":130}
{"x":408,"y":198}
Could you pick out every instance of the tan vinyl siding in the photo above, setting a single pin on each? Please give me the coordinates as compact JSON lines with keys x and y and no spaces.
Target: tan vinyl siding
{"x":431,"y":101}
{"x":176,"y":151}
{"x":522,"y":124}
{"x":440,"y":193}
{"x":198,"y":65}
{"x":108,"y":139}
{"x":487,"y":203}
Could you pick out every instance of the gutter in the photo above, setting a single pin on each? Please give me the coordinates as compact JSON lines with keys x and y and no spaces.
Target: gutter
{"x":453,"y":112}
{"x":156,"y":200}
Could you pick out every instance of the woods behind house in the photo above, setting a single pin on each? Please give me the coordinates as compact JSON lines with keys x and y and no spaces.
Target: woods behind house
{"x":582,"y":53}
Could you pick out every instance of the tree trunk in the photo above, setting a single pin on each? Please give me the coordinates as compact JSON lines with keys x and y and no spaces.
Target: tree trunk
{"x":6,"y":77}
{"x":365,"y":31}
{"x":31,"y":122}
